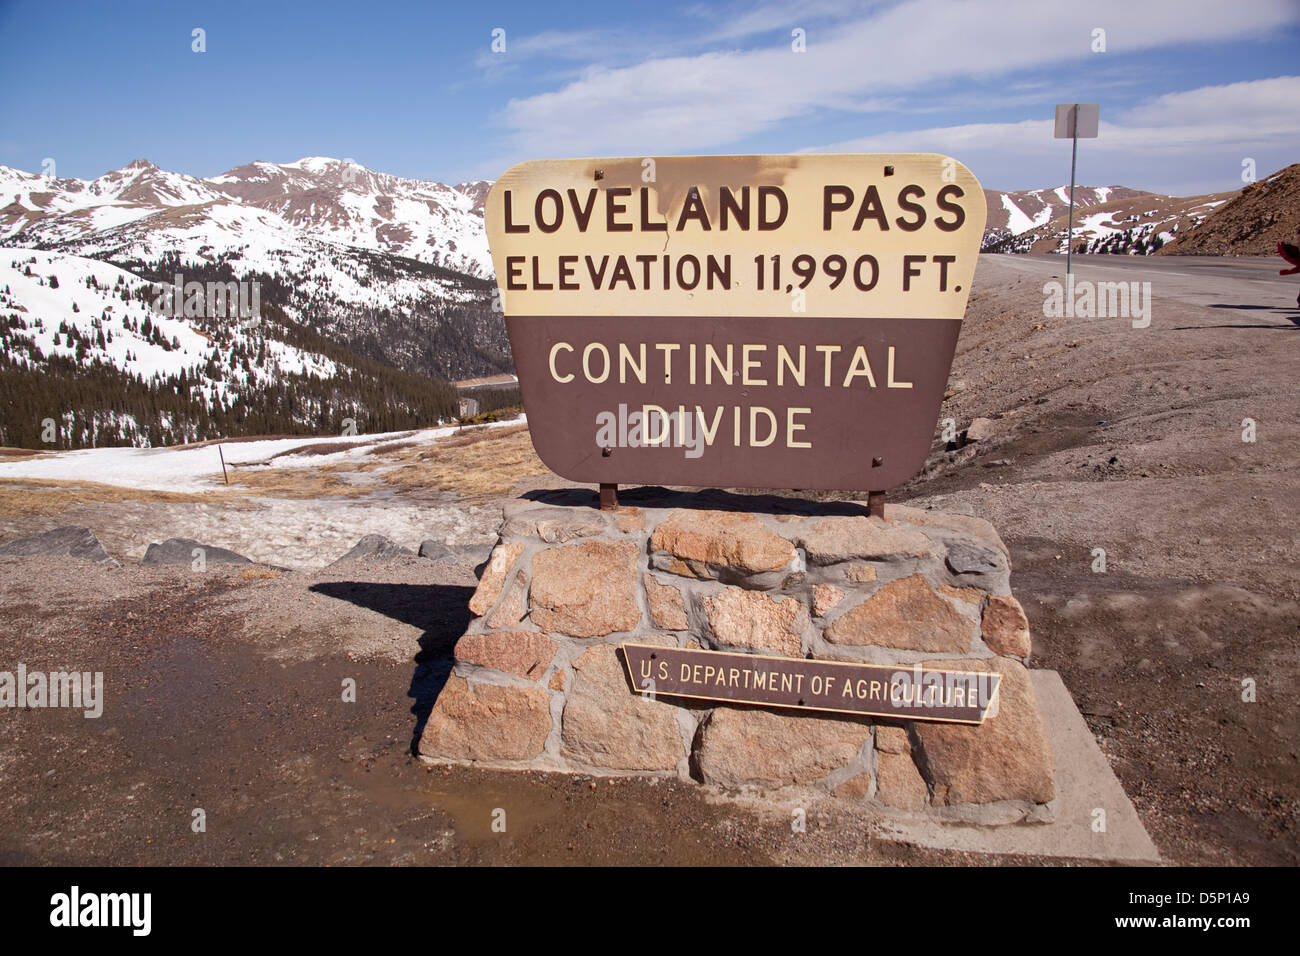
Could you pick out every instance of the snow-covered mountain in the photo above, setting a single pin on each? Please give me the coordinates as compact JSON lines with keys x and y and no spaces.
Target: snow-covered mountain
{"x":330,"y":200}
{"x":341,"y":248}
{"x":376,"y":284}
{"x":1011,"y":213}
{"x":92,"y":355}
{"x":1136,"y":224}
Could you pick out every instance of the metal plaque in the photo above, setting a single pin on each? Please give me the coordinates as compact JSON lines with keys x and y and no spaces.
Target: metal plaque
{"x":911,"y":693}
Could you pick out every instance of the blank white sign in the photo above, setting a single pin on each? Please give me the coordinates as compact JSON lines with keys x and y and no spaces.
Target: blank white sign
{"x":1088,"y":114}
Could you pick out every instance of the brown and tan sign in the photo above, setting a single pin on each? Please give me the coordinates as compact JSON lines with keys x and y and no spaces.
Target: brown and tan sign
{"x":913,"y":693}
{"x":762,"y":321}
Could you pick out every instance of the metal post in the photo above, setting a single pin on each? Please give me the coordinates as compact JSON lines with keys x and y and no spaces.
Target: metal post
{"x":1074,"y":155}
{"x":223,"y":464}
{"x":608,"y":497}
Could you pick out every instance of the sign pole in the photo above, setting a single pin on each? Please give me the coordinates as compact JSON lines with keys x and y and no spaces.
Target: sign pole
{"x":1074,"y":156}
{"x":876,"y":504}
{"x":608,"y":497}
{"x":1074,"y":120}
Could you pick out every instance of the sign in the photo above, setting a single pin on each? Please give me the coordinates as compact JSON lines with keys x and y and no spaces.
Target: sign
{"x":755,"y":321}
{"x":1075,"y":120}
{"x":965,"y":697}
{"x":1083,"y":127}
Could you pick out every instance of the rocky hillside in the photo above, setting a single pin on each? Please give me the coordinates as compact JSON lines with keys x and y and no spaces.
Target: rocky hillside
{"x":1251,"y":224}
{"x":1024,"y":210}
{"x":1139,"y":224}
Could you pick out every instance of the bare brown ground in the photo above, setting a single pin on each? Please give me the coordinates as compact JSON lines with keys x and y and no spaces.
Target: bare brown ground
{"x":298,"y":482}
{"x":41,"y":496}
{"x":223,"y":692}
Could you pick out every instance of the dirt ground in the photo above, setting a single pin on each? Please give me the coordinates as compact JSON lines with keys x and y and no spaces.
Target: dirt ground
{"x":1131,"y":441}
{"x":224,"y":689}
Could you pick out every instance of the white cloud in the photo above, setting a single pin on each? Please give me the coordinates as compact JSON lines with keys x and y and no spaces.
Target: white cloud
{"x":1179,"y":143}
{"x":703,"y":102}
{"x":1236,"y":116}
{"x":1257,"y":101}
{"x":734,"y":23}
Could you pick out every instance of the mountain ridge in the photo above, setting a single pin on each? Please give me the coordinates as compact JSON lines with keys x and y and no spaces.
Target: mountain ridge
{"x":335,"y":201}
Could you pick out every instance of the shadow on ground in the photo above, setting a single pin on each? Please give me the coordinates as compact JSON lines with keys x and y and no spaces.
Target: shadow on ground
{"x":441,"y":611}
{"x":712,"y":499}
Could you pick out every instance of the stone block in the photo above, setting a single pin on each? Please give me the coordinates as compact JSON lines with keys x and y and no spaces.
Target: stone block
{"x":586,"y":590}
{"x":605,"y":724}
{"x":487,"y":722}
{"x":905,"y":614}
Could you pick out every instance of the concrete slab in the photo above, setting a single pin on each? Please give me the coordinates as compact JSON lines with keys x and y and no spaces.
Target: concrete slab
{"x":1085,"y":783}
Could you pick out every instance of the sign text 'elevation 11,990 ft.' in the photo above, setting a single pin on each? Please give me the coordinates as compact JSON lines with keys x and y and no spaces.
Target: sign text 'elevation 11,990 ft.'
{"x":759,"y":321}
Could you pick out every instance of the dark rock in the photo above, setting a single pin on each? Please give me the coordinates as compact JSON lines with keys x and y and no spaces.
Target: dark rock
{"x":73,"y":541}
{"x":181,"y":551}
{"x":437,"y":551}
{"x":973,"y":559}
{"x":474,"y":554}
{"x":470,"y":554}
{"x":375,"y":547}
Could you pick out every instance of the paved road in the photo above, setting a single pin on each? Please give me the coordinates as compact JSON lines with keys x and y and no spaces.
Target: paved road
{"x":1244,"y":287}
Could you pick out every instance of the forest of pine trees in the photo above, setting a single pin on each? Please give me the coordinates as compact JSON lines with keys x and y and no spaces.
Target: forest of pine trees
{"x":100,"y":405}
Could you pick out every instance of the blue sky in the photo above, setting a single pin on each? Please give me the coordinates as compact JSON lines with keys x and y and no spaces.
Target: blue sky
{"x":1189,"y":89}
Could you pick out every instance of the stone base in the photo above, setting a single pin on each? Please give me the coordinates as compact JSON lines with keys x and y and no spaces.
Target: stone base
{"x":1085,"y":784}
{"x":539,"y":682}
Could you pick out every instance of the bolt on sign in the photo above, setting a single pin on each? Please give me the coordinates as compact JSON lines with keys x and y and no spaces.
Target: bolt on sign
{"x":756,"y":321}
{"x":916,"y":693}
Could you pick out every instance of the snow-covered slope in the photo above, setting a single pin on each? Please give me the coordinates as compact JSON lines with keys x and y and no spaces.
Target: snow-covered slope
{"x":1012,"y":213}
{"x":396,"y":269}
{"x":89,"y":311}
{"x":62,"y":209}
{"x":342,"y":202}
{"x":1130,"y":225}
{"x":197,"y":467}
